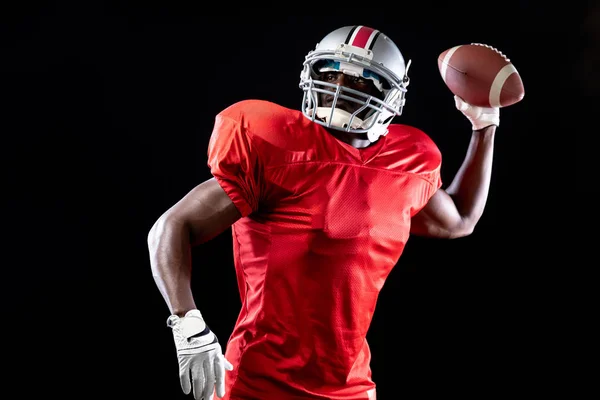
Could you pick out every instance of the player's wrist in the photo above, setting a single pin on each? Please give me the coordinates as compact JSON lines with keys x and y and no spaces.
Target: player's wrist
{"x":481,"y":125}
{"x":190,"y":324}
{"x":486,"y":131}
{"x":181,"y":312}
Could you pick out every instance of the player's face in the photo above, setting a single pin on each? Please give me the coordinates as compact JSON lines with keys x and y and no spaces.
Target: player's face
{"x":357,"y":83}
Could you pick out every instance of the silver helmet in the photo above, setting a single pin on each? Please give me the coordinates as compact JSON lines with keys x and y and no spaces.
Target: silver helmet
{"x":359,"y":51}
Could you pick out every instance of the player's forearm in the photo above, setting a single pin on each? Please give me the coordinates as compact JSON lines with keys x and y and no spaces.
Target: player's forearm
{"x":170,"y":260}
{"x":470,"y":186}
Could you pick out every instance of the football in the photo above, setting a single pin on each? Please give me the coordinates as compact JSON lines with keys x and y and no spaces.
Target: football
{"x":481,"y":75}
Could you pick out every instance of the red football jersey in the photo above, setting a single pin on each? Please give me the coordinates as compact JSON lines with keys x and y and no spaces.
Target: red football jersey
{"x":323,"y":225}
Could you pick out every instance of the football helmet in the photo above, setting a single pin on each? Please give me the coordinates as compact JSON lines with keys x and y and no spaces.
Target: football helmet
{"x":358,"y":51}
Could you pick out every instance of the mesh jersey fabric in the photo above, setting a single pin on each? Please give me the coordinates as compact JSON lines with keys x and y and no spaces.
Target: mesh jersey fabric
{"x":322,"y":226}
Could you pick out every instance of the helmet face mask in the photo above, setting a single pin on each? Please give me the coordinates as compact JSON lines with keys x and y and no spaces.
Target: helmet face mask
{"x":360,"y":51}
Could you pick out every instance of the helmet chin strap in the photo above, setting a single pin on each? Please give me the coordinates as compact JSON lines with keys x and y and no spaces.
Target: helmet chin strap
{"x":339,"y":119}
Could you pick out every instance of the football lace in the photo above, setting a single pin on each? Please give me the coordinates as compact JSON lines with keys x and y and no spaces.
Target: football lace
{"x":492,"y":48}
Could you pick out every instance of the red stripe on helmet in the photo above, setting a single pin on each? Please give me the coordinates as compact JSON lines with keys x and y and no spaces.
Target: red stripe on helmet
{"x":362,"y":36}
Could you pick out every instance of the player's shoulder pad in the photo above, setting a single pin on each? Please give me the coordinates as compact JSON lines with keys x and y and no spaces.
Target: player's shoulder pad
{"x":257,"y":116}
{"x":411,"y":138}
{"x":403,"y":131}
{"x":271,"y":126}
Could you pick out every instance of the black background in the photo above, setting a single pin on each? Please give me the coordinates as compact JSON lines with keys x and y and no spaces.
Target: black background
{"x":107,"y":111}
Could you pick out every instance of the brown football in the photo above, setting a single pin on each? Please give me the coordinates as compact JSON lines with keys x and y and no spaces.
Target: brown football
{"x":481,"y":75}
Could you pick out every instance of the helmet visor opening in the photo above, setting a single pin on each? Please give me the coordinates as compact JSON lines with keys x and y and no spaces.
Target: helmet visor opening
{"x":327,"y":65}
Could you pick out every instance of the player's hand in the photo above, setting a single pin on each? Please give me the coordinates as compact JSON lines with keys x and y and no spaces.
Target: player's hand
{"x":201,"y":361}
{"x":480,"y":117}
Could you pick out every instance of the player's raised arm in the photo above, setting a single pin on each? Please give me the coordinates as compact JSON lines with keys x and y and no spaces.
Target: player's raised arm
{"x":455,"y":211}
{"x":483,"y":80}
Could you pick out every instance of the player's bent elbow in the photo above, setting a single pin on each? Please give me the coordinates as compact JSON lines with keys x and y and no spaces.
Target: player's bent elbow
{"x":160,"y":227}
{"x":446,"y":229}
{"x":457,"y":234}
{"x":152,"y":233}
{"x":465,"y":228}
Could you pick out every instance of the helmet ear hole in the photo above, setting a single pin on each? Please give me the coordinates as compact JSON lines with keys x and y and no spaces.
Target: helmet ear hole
{"x":385,"y":84}
{"x":388,"y":119}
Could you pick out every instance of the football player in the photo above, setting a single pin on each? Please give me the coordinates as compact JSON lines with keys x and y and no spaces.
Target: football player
{"x":321,"y":202}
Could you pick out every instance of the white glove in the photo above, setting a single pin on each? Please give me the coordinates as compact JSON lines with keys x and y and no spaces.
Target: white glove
{"x":200,"y":355}
{"x":480,"y":117}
